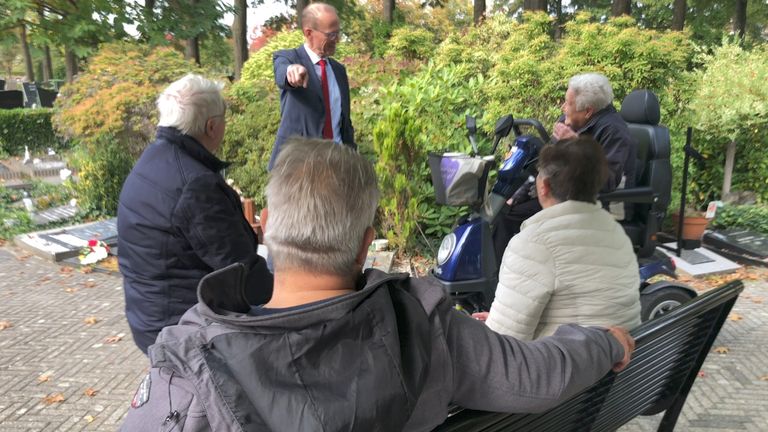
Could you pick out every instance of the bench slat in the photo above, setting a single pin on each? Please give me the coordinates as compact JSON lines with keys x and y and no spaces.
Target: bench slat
{"x":669,"y":353}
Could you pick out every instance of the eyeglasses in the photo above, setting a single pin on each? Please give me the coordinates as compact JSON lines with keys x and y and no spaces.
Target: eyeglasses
{"x":332,"y":36}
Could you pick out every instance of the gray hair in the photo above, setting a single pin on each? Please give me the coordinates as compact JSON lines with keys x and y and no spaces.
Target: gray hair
{"x":311,"y":14}
{"x":321,"y":198}
{"x":188,"y":103}
{"x":591,"y":90}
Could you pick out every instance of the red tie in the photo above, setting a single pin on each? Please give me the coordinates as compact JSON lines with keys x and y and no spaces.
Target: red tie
{"x":327,"y":127}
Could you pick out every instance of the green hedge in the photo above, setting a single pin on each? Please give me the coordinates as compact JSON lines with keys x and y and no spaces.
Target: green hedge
{"x":753,"y":217}
{"x":26,"y":127}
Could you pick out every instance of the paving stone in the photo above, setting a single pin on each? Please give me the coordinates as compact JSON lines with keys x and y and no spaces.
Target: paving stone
{"x":49,"y":336}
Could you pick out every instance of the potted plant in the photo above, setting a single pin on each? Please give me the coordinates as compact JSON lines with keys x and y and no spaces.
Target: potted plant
{"x":694,"y":223}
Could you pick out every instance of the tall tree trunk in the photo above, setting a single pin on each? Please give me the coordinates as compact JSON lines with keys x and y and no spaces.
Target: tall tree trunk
{"x":70,"y":63}
{"x":621,"y":7}
{"x":740,"y":18}
{"x":300,"y":5}
{"x":149,"y":15}
{"x":678,"y":14}
{"x":535,"y":5}
{"x":730,"y":157}
{"x":389,"y":11}
{"x":558,"y":33}
{"x":28,"y":66}
{"x":240,"y":34}
{"x":479,"y":11}
{"x":47,"y":64}
{"x":192,"y":51}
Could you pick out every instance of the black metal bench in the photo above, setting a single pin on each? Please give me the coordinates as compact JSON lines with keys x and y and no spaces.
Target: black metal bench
{"x":670,"y":351}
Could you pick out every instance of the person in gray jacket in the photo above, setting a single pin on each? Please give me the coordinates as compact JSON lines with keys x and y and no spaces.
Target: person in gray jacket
{"x":335,"y":349}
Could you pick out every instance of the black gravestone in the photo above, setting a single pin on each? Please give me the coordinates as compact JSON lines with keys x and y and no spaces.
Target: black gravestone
{"x":740,"y":241}
{"x":2,"y":84}
{"x":10,"y":99}
{"x":46,"y":97}
{"x":31,"y":95}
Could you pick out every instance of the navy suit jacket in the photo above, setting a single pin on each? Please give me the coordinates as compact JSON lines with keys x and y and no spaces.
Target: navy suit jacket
{"x":302,"y":112}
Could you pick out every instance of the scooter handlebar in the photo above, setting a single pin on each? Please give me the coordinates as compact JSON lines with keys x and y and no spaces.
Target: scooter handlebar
{"x":534,"y":124}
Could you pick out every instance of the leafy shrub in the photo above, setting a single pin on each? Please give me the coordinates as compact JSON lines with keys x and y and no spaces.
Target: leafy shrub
{"x":730,"y":103}
{"x":411,"y":43}
{"x":102,"y":169}
{"x":252,"y":121}
{"x":752,"y":217}
{"x":115,"y":96}
{"x":27,"y":127}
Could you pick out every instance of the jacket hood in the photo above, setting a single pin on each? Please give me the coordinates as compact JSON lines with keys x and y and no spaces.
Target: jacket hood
{"x":222,"y":298}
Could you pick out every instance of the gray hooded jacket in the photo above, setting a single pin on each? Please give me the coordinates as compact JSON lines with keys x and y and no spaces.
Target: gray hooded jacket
{"x":392,"y":356}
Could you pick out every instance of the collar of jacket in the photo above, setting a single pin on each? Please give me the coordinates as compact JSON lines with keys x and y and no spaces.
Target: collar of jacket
{"x":598,"y":115}
{"x":192,"y":147}
{"x":221,"y":298}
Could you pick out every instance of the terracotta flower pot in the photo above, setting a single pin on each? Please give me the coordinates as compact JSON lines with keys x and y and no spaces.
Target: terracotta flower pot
{"x":693,"y":226}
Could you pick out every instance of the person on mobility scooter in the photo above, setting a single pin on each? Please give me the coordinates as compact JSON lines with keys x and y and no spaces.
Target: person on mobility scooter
{"x":466,"y":261}
{"x":587,"y":111}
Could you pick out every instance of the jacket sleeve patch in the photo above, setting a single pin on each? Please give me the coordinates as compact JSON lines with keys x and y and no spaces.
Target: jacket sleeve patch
{"x":142,"y":393}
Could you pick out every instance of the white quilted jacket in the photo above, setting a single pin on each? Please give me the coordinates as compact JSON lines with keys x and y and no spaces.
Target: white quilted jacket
{"x":570,"y":263}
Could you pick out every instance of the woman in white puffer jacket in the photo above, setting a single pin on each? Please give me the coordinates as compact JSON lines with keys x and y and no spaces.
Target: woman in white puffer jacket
{"x":571,"y":262}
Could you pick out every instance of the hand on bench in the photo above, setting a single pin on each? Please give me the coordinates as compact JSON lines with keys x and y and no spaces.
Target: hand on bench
{"x":628,"y":342}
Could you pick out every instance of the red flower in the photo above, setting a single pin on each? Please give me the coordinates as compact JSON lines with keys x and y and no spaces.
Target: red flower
{"x":92,"y":243}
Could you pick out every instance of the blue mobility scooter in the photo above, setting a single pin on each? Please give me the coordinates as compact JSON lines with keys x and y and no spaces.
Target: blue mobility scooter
{"x":466,"y":262}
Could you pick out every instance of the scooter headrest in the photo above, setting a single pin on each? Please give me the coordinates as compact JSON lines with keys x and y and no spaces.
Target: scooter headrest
{"x":641,"y":106}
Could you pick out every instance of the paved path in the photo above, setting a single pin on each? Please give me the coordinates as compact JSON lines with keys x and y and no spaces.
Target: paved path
{"x":49,"y":337}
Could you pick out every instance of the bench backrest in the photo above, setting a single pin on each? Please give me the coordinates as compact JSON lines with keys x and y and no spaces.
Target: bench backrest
{"x":669,"y":353}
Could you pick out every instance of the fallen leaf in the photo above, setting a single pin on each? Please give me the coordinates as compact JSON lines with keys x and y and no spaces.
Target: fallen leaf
{"x":757,"y":300}
{"x":735,"y":317}
{"x":89,"y":418}
{"x":90,"y":392}
{"x":5,"y":324}
{"x":65,"y":269}
{"x":45,"y":279}
{"x":764,"y":378}
{"x":86,"y":270}
{"x":24,"y":257}
{"x":70,"y":290}
{"x":54,"y":398}
{"x":91,"y":320}
{"x":721,"y":350}
{"x":43,"y":378}
{"x":114,"y":339}
{"x":89,"y":283}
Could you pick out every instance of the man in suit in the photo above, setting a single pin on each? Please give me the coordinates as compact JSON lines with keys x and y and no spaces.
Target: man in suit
{"x":314,"y":89}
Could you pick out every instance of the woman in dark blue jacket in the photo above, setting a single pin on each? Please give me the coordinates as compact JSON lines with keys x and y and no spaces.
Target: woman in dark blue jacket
{"x":178,"y":220}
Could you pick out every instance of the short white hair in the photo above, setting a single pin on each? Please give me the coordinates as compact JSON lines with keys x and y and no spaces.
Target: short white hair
{"x":591,"y":90}
{"x":311,"y":14}
{"x":321,"y":198}
{"x":188,"y":103}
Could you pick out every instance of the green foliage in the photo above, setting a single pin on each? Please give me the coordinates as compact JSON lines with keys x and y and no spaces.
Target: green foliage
{"x":102,"y":168}
{"x":115,"y":96}
{"x":26,"y":127}
{"x":395,"y":141}
{"x":752,"y":217}
{"x":729,"y":102}
{"x":252,"y":121}
{"x":412,"y":43}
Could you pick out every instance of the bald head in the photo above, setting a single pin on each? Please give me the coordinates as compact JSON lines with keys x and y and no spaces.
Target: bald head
{"x":311,"y":15}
